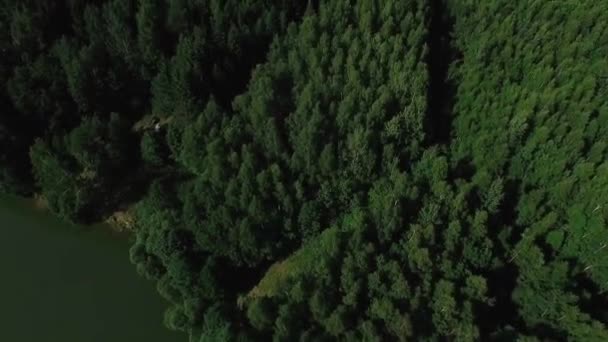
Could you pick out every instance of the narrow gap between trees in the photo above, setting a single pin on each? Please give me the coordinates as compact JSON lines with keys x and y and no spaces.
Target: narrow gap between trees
{"x":441,"y":89}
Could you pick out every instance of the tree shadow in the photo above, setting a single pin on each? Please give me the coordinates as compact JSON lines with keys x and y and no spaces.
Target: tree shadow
{"x":441,"y":89}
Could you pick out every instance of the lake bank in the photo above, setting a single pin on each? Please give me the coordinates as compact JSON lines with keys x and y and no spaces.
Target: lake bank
{"x":119,"y":221}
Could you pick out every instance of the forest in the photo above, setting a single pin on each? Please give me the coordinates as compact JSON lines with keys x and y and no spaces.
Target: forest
{"x":328,"y":170}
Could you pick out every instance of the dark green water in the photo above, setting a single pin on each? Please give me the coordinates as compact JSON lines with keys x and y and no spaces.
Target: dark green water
{"x":64,"y":283}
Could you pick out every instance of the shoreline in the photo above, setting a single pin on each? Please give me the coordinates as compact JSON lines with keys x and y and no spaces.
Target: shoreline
{"x":39,"y":201}
{"x":120,"y":221}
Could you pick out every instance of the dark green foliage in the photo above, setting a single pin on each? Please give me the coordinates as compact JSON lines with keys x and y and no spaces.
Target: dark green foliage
{"x":353,"y":170}
{"x":15,"y":174}
{"x":76,"y":172}
{"x":154,"y":150}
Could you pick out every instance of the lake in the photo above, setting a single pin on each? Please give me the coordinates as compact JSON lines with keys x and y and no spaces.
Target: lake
{"x":66,"y":283}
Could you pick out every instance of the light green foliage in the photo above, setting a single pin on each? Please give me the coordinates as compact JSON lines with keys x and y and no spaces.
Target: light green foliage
{"x":531,"y":110}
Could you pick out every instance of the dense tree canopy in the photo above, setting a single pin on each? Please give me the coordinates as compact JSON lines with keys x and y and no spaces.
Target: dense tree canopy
{"x":355,"y":170}
{"x":531,"y":108}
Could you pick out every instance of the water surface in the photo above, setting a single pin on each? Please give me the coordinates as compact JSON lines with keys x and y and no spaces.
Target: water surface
{"x":66,"y":283}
